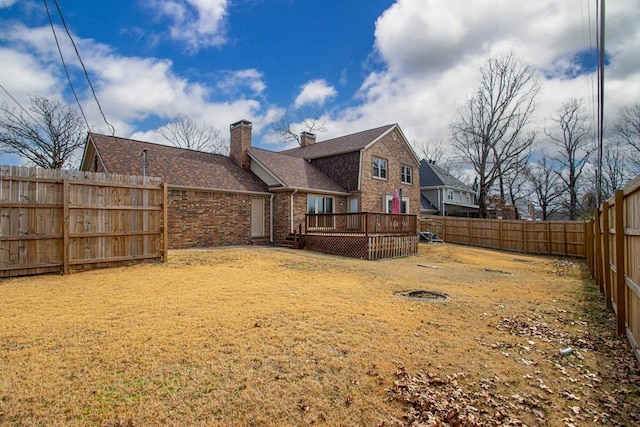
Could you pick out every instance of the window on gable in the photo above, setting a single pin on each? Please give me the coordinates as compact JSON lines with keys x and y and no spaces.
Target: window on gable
{"x":379,"y":167}
{"x":406,"y":174}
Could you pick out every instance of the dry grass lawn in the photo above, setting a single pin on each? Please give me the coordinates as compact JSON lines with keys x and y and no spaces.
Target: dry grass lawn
{"x":269,"y":336}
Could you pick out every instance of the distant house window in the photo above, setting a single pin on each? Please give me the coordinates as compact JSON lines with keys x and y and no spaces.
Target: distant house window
{"x":468,"y":196}
{"x":95,"y":163}
{"x":379,"y":168}
{"x":449,"y":194}
{"x":406,"y":174}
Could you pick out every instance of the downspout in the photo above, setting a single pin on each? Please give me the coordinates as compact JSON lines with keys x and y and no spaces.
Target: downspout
{"x":271,"y":218}
{"x":292,"y":194}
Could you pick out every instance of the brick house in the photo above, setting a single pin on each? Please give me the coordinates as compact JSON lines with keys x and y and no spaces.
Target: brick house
{"x":255,"y":195}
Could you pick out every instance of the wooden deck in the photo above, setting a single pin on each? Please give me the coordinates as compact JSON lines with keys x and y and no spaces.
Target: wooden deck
{"x":363,"y":235}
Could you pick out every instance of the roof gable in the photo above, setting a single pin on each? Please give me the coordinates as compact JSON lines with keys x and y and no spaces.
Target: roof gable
{"x":344,"y":144}
{"x":432,"y":175}
{"x":294,"y":172}
{"x":176,"y":166}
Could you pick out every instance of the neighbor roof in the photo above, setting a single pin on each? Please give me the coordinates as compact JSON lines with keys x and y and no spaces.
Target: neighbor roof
{"x":294,"y":172}
{"x":344,"y":144}
{"x":432,"y":175}
{"x":176,"y":166}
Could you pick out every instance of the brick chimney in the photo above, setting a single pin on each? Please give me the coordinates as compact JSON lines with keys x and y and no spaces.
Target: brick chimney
{"x":240,"y":143}
{"x":307,"y":138}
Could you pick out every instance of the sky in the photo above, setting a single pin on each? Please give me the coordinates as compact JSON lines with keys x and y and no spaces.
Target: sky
{"x":358,"y":64}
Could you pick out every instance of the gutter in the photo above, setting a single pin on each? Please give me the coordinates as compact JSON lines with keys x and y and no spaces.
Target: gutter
{"x":271,"y":218}
{"x":292,"y":194}
{"x":216,"y":190}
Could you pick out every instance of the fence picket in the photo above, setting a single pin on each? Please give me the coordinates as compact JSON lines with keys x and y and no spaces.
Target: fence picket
{"x":52,"y":220}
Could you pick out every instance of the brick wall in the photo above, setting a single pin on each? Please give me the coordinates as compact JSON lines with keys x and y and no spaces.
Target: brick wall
{"x":281,"y":222}
{"x":342,"y":168}
{"x":396,"y":152}
{"x":282,"y":208}
{"x":199,"y":219}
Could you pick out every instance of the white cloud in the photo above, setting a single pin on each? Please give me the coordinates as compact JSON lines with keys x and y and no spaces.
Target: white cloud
{"x":198,"y":23}
{"x":131,"y":90}
{"x":234,"y":80}
{"x":432,"y":51}
{"x":6,"y":3}
{"x":315,"y":92}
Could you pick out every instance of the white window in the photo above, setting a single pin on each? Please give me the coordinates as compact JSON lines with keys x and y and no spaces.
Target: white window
{"x":319,"y":204}
{"x":379,"y":167}
{"x":406,"y":174}
{"x":449,"y":194}
{"x":404,"y":204}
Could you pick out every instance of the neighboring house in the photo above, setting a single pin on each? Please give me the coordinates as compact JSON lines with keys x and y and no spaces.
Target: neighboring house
{"x":256,"y":195}
{"x":443,"y":194}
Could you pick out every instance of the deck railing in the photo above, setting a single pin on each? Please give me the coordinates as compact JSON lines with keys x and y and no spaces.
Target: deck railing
{"x":364,"y":223}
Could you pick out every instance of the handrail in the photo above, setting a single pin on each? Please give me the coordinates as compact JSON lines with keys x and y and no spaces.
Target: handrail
{"x":361,"y":223}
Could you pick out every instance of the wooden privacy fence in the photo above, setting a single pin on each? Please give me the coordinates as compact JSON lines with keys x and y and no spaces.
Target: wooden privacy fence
{"x":61,"y":221}
{"x":614,"y":258}
{"x":566,"y":238}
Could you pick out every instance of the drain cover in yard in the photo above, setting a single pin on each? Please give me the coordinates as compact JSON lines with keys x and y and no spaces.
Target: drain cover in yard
{"x":422,"y":295}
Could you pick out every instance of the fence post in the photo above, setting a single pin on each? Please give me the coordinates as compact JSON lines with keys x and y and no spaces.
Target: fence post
{"x":65,"y":225}
{"x":621,"y":304}
{"x":606,"y":254}
{"x":165,"y":222}
{"x":588,"y":246}
{"x":525,"y":244}
{"x":597,"y":260}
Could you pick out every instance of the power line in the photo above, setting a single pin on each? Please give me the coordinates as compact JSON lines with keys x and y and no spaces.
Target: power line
{"x":64,"y":24}
{"x":22,"y":108}
{"x":84,"y":68}
{"x":66,"y":70}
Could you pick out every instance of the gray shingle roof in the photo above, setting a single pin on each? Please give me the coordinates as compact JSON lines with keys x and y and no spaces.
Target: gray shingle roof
{"x":295,"y":172}
{"x":432,"y":175}
{"x":176,"y":166}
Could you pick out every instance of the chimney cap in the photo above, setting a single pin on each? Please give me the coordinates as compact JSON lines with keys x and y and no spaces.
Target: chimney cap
{"x":308,"y":133}
{"x":243,"y":122}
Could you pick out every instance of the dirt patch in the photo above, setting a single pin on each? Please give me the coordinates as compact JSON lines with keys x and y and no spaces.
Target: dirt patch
{"x":421,"y":295}
{"x":267,"y":336}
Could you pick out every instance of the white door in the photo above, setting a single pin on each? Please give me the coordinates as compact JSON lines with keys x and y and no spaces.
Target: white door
{"x":257,"y":217}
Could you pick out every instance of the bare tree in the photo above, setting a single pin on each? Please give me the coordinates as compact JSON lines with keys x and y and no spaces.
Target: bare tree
{"x":627,"y":126}
{"x":490,"y":132}
{"x":288,"y":125}
{"x":184,"y":132}
{"x":572,"y":138}
{"x":433,"y":149}
{"x":514,"y":182}
{"x":614,"y":167}
{"x":545,"y":185}
{"x":47,"y":136}
{"x":627,"y":129}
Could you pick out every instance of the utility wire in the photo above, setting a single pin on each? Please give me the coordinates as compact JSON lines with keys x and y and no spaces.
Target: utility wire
{"x":66,"y":70}
{"x":75,"y":47}
{"x":22,"y":108}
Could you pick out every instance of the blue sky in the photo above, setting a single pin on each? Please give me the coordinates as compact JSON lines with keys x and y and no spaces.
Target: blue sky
{"x":358,"y":63}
